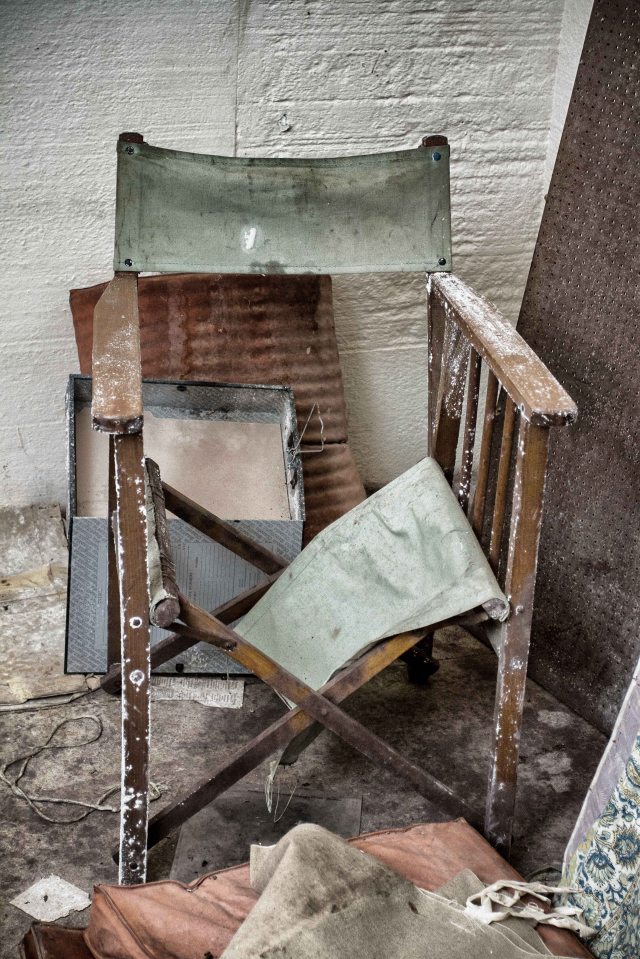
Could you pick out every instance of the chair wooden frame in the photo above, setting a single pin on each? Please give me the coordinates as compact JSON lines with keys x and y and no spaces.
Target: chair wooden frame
{"x":522,"y":402}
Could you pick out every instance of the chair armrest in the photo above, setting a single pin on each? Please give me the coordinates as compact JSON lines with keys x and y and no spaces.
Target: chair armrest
{"x":534,"y":390}
{"x":116,"y":405}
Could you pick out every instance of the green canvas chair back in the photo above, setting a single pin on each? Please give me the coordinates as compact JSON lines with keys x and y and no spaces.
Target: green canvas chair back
{"x":187,"y":212}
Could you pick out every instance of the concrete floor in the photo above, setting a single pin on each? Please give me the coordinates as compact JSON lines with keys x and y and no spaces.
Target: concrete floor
{"x":445,"y":726}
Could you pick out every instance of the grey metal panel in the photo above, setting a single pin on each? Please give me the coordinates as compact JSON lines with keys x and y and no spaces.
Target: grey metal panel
{"x":189,"y":212}
{"x":580,"y":313}
{"x":207,"y":572}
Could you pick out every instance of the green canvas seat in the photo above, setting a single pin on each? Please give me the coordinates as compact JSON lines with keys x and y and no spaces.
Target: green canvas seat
{"x":404,"y":559}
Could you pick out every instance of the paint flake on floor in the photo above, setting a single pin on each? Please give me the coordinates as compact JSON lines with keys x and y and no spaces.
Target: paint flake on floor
{"x":51,"y":898}
{"x":224,"y":693}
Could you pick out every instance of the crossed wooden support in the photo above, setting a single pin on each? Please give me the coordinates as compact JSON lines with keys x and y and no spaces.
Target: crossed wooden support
{"x":192,"y":625}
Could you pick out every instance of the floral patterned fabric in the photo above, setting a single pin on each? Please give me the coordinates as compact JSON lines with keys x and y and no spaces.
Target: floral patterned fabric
{"x":606,"y":870}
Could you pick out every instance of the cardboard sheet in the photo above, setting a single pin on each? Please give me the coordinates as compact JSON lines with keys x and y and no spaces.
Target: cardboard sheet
{"x":233,"y":468}
{"x":32,"y":608}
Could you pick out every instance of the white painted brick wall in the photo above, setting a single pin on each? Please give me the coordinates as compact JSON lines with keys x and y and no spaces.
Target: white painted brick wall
{"x":218,"y":77}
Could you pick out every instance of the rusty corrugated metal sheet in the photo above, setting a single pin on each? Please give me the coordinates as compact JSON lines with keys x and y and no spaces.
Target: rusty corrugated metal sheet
{"x":332,"y":486}
{"x":251,"y":329}
{"x":237,"y":329}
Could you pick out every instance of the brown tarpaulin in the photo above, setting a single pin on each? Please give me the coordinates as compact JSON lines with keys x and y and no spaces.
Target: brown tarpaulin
{"x":168,"y":920}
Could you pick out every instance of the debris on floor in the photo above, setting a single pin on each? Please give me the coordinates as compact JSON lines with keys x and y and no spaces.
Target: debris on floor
{"x":51,"y":898}
{"x":206,"y":690}
{"x":43,"y":805}
{"x":221,"y":833}
{"x":32,"y":609}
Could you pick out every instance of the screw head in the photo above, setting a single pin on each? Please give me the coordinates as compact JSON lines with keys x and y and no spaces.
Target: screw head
{"x":442,"y":261}
{"x":129,"y":150}
{"x":128,"y":262}
{"x":435,"y":156}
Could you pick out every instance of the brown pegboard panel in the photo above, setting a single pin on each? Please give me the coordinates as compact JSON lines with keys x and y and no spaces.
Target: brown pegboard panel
{"x":580,"y":313}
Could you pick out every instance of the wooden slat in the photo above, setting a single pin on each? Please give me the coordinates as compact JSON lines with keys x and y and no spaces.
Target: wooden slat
{"x":480,"y":494}
{"x":531,"y":386}
{"x":524,"y":538}
{"x":500,"y":502}
{"x":131,"y":552}
{"x":282,"y":731}
{"x":469,"y":435}
{"x":175,"y":644}
{"x":436,"y":326}
{"x":116,"y":405}
{"x":222,"y":532}
{"x":450,"y":400}
{"x":113,"y":589}
{"x":164,"y":602}
{"x":209,"y":629}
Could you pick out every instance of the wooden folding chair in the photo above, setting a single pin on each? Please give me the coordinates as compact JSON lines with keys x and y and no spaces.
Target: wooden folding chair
{"x":389,"y":212}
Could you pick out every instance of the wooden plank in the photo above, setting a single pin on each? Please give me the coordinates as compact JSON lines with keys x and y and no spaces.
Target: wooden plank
{"x":131,"y":551}
{"x":209,"y":629}
{"x":469,"y":435}
{"x":116,"y":405}
{"x":436,"y":323}
{"x":500,"y":502}
{"x":279,"y":733}
{"x":175,"y":644}
{"x":223,"y":533}
{"x":455,"y":354}
{"x":164,"y":602}
{"x":113,"y":589}
{"x":584,"y":320}
{"x":531,"y":386}
{"x":480,"y":494}
{"x":524,"y":538}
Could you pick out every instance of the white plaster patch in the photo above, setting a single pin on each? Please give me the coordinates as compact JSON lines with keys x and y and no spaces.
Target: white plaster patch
{"x":51,"y":898}
{"x":249,"y":238}
{"x":556,"y":764}
{"x":551,"y":717}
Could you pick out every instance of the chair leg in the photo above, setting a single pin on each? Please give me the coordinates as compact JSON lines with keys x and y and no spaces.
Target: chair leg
{"x":420,"y":662}
{"x":513,"y":644}
{"x":131,"y":555}
{"x":512,"y":677}
{"x":278,"y":734}
{"x":113,"y":592}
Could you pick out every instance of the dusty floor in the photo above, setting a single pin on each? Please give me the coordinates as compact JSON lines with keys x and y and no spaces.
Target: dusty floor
{"x":445,"y":726}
